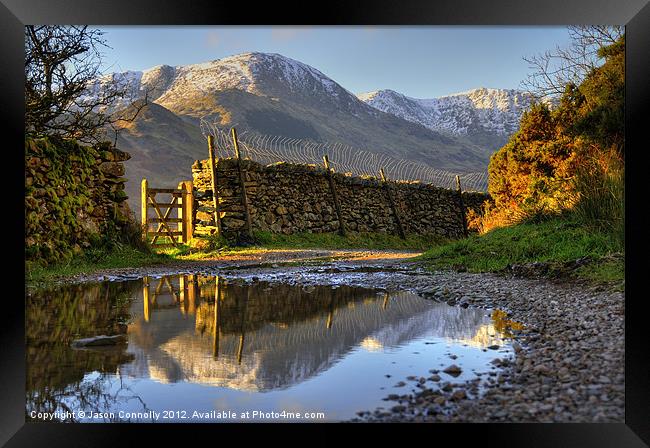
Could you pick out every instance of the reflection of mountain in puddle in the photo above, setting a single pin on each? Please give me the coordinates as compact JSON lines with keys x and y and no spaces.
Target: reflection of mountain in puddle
{"x":371,"y":344}
{"x":184,"y":358}
{"x":174,"y":348}
{"x":486,"y":335}
{"x":457,"y":325}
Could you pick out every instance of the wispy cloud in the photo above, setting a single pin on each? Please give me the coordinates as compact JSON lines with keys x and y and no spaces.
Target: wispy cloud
{"x":213,"y":39}
{"x":226,"y":41}
{"x":288,"y":34}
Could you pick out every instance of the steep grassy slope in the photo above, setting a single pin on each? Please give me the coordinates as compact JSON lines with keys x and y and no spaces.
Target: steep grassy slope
{"x":163,"y":147}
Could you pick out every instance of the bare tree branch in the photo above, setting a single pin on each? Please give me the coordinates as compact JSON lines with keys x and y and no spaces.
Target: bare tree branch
{"x":66,"y":94}
{"x":553,"y":70}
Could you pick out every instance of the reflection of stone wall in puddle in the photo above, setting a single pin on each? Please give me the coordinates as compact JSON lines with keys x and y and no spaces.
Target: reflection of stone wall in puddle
{"x":252,"y":306}
{"x":291,"y":198}
{"x":53,"y":319}
{"x":164,"y":324}
{"x":275,"y":357}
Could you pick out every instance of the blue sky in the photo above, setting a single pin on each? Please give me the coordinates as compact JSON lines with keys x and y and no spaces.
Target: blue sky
{"x":422,"y":62}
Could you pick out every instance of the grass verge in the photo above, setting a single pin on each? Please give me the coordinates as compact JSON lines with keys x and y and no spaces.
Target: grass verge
{"x":94,"y":260}
{"x":375,"y":241}
{"x":206,"y":247}
{"x":605,"y":270}
{"x":556,"y":240}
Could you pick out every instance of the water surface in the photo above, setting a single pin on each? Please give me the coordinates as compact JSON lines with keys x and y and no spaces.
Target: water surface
{"x":205,"y":349}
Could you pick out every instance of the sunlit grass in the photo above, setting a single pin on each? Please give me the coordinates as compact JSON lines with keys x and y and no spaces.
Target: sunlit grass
{"x":552,"y":240}
{"x":211,"y":247}
{"x":376,"y":241}
{"x":215,"y":247}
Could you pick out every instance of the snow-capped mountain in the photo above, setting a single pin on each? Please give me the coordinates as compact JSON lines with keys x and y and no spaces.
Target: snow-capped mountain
{"x":497,"y":110}
{"x":477,"y":113}
{"x":261,"y":74}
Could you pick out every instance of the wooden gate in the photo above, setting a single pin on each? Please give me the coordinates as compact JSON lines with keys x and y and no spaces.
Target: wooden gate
{"x":169,"y":228}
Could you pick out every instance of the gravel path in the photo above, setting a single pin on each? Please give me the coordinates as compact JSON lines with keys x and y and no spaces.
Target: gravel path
{"x":569,"y":357}
{"x":569,"y":362}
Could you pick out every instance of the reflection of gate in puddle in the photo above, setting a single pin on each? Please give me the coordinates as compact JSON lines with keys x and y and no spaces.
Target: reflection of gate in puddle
{"x":186,"y":296}
{"x":189,"y":296}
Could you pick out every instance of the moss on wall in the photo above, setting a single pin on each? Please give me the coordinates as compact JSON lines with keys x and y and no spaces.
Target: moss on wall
{"x":74,"y":197}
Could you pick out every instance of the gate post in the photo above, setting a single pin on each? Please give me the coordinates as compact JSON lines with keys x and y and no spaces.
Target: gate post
{"x":145,"y":224}
{"x":186,"y":211}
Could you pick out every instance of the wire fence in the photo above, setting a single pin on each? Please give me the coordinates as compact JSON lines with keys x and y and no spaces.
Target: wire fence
{"x":267,"y":149}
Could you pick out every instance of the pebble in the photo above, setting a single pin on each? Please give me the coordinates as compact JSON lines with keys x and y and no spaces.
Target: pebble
{"x":460,"y":394}
{"x":453,"y":370}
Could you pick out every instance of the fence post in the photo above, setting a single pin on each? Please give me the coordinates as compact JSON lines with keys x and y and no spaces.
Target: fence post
{"x":242,"y":184}
{"x":337,"y":206}
{"x":217,"y":319}
{"x":462,"y":207}
{"x":145,"y":224}
{"x":393,"y":207}
{"x":213,"y":176}
{"x":145,"y":297}
{"x":240,"y":349}
{"x":330,"y":314}
{"x":191,"y":293}
{"x":187,"y":209}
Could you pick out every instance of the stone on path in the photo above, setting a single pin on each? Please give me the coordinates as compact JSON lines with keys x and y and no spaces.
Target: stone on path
{"x":453,"y":370}
{"x":99,"y":341}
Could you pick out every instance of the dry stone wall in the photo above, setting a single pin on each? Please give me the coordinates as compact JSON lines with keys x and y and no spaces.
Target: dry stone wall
{"x":74,"y":195}
{"x":291,"y":198}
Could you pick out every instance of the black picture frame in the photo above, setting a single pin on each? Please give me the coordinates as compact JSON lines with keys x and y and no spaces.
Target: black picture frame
{"x":635,"y":14}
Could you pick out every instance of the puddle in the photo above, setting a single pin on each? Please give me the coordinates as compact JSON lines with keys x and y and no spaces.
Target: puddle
{"x":198,"y":351}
